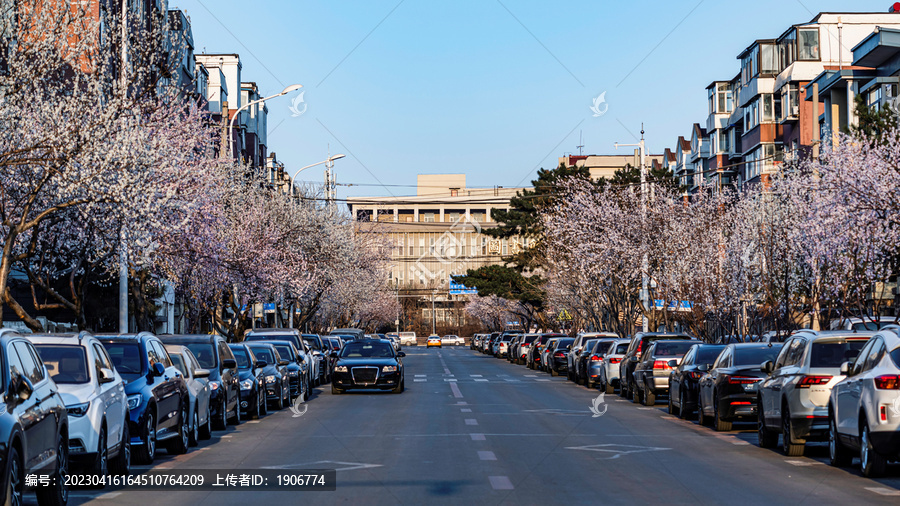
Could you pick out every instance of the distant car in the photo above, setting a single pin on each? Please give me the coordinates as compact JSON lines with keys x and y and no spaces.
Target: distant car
{"x":575,"y":352}
{"x":589,"y":363}
{"x":867,"y":323}
{"x":684,"y":380}
{"x":728,"y":391}
{"x":434,"y":340}
{"x":533,"y":359}
{"x":454,"y":340}
{"x":640,"y":341}
{"x":253,"y":381}
{"x":94,"y":394}
{"x":408,"y":339}
{"x":214,"y":355}
{"x":501,"y":346}
{"x":557,"y":356}
{"x":357,"y":334}
{"x":395,"y":341}
{"x":371,"y":364}
{"x":608,"y":378}
{"x":651,"y":373}
{"x":793,"y":399}
{"x":298,"y":368}
{"x":275,"y":373}
{"x":521,"y":354}
{"x":197,"y":380}
{"x":863,"y":407}
{"x":320,"y":368}
{"x":158,"y":399}
{"x":513,"y":347}
{"x":34,"y":425}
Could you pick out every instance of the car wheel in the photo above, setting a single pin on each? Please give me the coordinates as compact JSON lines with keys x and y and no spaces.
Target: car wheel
{"x":838,"y":454}
{"x":683,"y":412}
{"x":720,"y":424}
{"x":221,"y":422}
{"x":256,"y":412}
{"x":180,"y":443}
{"x":206,"y":428}
{"x":553,"y":372}
{"x":15,"y":482}
{"x":261,"y":402}
{"x":195,"y":427}
{"x":569,"y":374}
{"x":608,"y":387}
{"x":788,"y":444}
{"x":399,"y":388}
{"x":146,"y":452}
{"x":306,"y":392}
{"x":702,"y":419}
{"x":101,"y":464}
{"x":121,"y":463}
{"x":871,"y":462}
{"x":57,"y":494}
{"x":767,"y":437}
{"x":236,"y":419}
{"x":335,"y":390}
{"x":671,"y":404}
{"x":649,"y":397}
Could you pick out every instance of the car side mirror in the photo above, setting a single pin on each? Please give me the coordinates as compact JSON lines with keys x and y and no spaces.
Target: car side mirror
{"x":845,"y":368}
{"x":24,"y":389}
{"x":703,"y":367}
{"x":261,"y":363}
{"x":107,"y":375}
{"x":201,"y":373}
{"x":673,"y":363}
{"x":158,"y":369}
{"x":401,"y":354}
{"x":767,"y":367}
{"x":229,"y":363}
{"x":283,"y":362}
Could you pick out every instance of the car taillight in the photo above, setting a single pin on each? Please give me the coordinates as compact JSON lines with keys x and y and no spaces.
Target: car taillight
{"x":596,"y":358}
{"x":559,"y":354}
{"x":615,"y":360}
{"x":695,"y":374}
{"x":661,"y":364}
{"x":808,"y":381}
{"x":638,"y":350}
{"x":742,"y":380}
{"x":888,"y":382}
{"x":882,"y":413}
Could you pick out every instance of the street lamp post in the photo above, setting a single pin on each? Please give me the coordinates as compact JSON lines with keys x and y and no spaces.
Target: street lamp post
{"x":645,"y":295}
{"x":327,"y":160}
{"x":293,"y":87}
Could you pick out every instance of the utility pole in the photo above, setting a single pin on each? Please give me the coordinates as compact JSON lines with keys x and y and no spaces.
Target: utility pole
{"x":645,"y":261}
{"x":123,"y":259}
{"x":432,"y":313}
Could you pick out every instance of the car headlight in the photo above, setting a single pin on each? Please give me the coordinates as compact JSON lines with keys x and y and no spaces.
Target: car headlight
{"x":340,"y":368}
{"x":213,"y":385}
{"x":292,"y":373}
{"x":270,"y":378}
{"x":247,"y":384}
{"x":389,"y":368}
{"x":134,"y":401}
{"x":82,"y":409}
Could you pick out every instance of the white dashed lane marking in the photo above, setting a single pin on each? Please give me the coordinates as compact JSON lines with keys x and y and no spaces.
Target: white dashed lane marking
{"x":465,"y":410}
{"x":471,"y":421}
{"x":500,"y":482}
{"x":477,"y":437}
{"x":487,"y":456}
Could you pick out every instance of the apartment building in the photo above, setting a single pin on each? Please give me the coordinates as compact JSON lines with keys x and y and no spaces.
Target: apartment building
{"x":606,"y":165}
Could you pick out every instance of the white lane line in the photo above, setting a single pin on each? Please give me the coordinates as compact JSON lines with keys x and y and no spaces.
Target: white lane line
{"x":544,"y":379}
{"x":884,"y":491}
{"x":480,"y":380}
{"x":471,"y":421}
{"x":252,"y":421}
{"x":456,"y":392}
{"x":226,"y":435}
{"x":419,"y":380}
{"x":531,"y":375}
{"x":465,"y":410}
{"x":477,"y":437}
{"x":420,"y":375}
{"x":462,"y":403}
{"x":500,"y":483}
{"x":475,"y":375}
{"x":487,"y":456}
{"x":449,"y":379}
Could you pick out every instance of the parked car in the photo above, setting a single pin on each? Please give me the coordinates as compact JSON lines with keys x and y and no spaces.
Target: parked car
{"x":357,"y":334}
{"x":557,"y":356}
{"x":158,"y":399}
{"x":489,"y":343}
{"x":864,"y":407}
{"x":512,"y":348}
{"x":368,"y":365}
{"x":297,"y":367}
{"x":94,"y":395}
{"x":319,"y":366}
{"x":521,"y":353}
{"x":34,"y":424}
{"x":453,"y":340}
{"x":214,"y":355}
{"x":793,"y":399}
{"x":501,"y":346}
{"x":475,"y":343}
{"x":868,"y":323}
{"x":608,"y":372}
{"x":545,"y":357}
{"x":434,"y":340}
{"x":294,"y":336}
{"x":533,"y":359}
{"x":640,"y":341}
{"x":252,"y":375}
{"x":197,"y":380}
{"x":575,"y":352}
{"x":651,"y":372}
{"x":275,"y":374}
{"x":728,"y":390}
{"x":684,"y":380}
{"x":395,"y":341}
{"x":593,"y":352}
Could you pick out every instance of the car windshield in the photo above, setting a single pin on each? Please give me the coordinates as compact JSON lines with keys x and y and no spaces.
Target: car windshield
{"x":755,"y":356}
{"x":241,"y":357}
{"x":367,"y":350}
{"x":285,"y":351}
{"x":667,"y":349}
{"x":312,"y":343}
{"x":529,"y":339}
{"x":126,"y":357}
{"x":708,"y":354}
{"x":66,"y":364}
{"x":562,"y":343}
{"x":265,"y":354}
{"x":833,"y":354}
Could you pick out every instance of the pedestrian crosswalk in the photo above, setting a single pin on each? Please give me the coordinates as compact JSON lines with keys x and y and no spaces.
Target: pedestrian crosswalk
{"x":484,"y":378}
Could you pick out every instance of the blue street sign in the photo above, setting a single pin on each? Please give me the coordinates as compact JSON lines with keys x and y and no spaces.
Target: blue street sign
{"x":461,"y":289}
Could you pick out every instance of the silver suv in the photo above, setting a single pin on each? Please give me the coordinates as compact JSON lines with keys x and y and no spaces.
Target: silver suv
{"x":793,"y":399}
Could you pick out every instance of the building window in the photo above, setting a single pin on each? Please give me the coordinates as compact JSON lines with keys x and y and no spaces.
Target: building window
{"x":790,"y":101}
{"x":808,"y":44}
{"x":771,"y":107}
{"x":428,"y":217}
{"x":787,"y":50}
{"x":768,"y":63}
{"x":454,"y":192}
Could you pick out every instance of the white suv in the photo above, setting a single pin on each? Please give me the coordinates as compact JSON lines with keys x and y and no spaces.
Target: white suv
{"x":95,"y":399}
{"x":408,"y":339}
{"x":864,"y":408}
{"x":453,"y":339}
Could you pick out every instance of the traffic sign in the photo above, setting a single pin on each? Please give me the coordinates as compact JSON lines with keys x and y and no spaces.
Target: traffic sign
{"x":564,"y":316}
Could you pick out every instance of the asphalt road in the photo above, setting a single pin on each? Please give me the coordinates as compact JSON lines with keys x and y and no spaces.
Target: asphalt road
{"x":474,"y":429}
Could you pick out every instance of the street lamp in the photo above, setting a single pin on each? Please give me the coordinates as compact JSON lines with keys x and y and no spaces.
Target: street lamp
{"x":293,"y":87}
{"x":327,"y":160}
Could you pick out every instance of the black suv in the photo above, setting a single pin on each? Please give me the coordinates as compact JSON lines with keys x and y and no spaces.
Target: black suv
{"x":158,"y":399}
{"x":214,"y":354}
{"x":33,"y":424}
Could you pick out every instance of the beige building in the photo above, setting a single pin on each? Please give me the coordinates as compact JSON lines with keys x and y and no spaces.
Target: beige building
{"x":607,"y":165}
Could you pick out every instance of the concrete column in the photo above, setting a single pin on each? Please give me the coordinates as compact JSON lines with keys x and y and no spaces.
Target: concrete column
{"x":396,"y":214}
{"x":442,"y":215}
{"x":416,"y":214}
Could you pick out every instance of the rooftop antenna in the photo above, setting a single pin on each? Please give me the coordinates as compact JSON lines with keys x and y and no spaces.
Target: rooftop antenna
{"x":580,"y":142}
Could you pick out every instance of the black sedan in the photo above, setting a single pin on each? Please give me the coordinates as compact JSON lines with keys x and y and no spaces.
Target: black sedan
{"x":253,"y":380}
{"x":684,"y":381}
{"x":728,"y":391}
{"x":275,"y":373}
{"x":368,"y":364}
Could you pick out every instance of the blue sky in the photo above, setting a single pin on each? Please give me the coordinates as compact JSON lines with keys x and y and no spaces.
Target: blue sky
{"x":491,"y":89}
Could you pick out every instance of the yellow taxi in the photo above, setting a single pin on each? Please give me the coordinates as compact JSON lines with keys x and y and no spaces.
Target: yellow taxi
{"x":434,"y":340}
